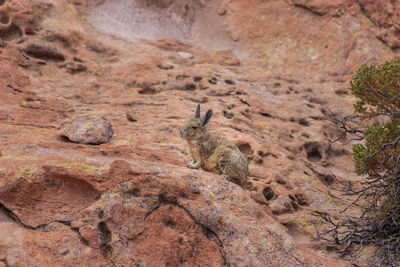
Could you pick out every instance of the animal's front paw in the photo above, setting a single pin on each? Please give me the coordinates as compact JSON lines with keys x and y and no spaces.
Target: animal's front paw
{"x":193,"y":165}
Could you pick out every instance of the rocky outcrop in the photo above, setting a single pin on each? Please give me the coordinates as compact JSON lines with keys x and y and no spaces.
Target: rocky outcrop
{"x":274,"y":72}
{"x":135,"y":213}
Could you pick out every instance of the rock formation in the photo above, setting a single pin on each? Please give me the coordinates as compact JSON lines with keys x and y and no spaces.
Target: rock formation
{"x":272,"y":71}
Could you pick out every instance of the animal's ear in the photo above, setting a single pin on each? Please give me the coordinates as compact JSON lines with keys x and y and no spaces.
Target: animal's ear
{"x":206,"y":118}
{"x":197,"y":111}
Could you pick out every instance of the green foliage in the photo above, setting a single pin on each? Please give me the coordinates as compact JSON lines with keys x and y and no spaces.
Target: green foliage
{"x":375,"y":136}
{"x":378,"y":90}
{"x":377,"y":87}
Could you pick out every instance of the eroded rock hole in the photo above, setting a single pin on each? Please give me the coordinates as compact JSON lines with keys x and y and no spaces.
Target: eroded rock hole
{"x":29,"y":31}
{"x":268,"y":193}
{"x":327,"y":179}
{"x":246,"y":149}
{"x":314,"y":155}
{"x":280,"y":180}
{"x":4,"y":18}
{"x":304,"y":122}
{"x":189,"y":87}
{"x":228,"y":114}
{"x":213,"y":80}
{"x":2,"y":2}
{"x":294,"y":204}
{"x":313,"y":151}
{"x":265,"y":114}
{"x":45,"y":52}
{"x":147,"y":91}
{"x":301,"y":199}
{"x":105,"y":239}
{"x":341,"y":92}
{"x":11,"y":33}
{"x":169,"y":222}
{"x":134,"y":192}
{"x":182,"y":77}
{"x":145,"y":88}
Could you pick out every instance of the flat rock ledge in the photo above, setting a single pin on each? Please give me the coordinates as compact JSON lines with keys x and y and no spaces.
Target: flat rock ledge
{"x":118,"y":212}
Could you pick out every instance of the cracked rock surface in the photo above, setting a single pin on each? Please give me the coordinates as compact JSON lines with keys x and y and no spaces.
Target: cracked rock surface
{"x":154,"y":214}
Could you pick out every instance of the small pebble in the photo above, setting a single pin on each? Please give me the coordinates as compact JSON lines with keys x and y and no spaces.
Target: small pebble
{"x":130,"y":116}
{"x":185,"y":54}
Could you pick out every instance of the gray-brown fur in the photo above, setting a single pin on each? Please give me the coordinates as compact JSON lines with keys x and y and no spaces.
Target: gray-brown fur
{"x":213,"y":153}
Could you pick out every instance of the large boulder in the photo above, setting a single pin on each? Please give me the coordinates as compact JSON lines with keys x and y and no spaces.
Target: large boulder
{"x":133,"y":212}
{"x":91,"y":131}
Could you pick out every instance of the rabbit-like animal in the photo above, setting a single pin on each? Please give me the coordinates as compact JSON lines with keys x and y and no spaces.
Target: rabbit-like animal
{"x":213,"y":153}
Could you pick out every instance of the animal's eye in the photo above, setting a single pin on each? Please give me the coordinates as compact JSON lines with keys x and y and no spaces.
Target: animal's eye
{"x":194,"y":127}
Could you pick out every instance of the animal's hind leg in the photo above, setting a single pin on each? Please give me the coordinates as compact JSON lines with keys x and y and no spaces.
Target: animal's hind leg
{"x":230,"y":179}
{"x":225,"y":166}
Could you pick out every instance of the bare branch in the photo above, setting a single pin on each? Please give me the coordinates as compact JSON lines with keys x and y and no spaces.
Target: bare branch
{"x":346,"y":129}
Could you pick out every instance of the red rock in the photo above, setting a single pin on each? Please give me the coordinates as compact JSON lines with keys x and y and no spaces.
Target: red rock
{"x":227,"y":58}
{"x":63,"y":197}
{"x":390,"y":37}
{"x":320,"y":7}
{"x":280,"y":70}
{"x":91,"y":235}
{"x":130,"y":116}
{"x":181,"y":219}
{"x":21,"y":246}
{"x":380,"y":12}
{"x":93,"y":131}
{"x":282,"y":204}
{"x":80,"y":2}
{"x":222,"y":7}
{"x":165,"y":66}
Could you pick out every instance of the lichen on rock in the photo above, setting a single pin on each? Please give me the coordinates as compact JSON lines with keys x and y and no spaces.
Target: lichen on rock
{"x":91,"y":131}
